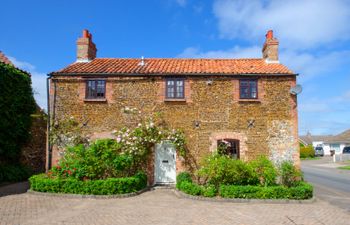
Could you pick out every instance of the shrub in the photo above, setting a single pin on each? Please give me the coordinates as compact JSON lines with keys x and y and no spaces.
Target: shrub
{"x":190,"y":188}
{"x":102,"y":159}
{"x":290,"y":176}
{"x":181,"y":177}
{"x":16,"y":104}
{"x":43,"y":183}
{"x":302,"y":191}
{"x":264,"y":171}
{"x":209,"y":191}
{"x":13,"y":173}
{"x":307,"y":152}
{"x":219,"y":169}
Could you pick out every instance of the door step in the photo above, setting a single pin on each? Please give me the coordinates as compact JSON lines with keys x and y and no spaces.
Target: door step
{"x":163,"y":186}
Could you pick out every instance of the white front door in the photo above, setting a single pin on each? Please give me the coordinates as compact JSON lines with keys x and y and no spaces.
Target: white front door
{"x":165,"y":166}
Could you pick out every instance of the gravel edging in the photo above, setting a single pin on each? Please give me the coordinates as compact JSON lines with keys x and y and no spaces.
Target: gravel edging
{"x":181,"y":194}
{"x":66,"y":195}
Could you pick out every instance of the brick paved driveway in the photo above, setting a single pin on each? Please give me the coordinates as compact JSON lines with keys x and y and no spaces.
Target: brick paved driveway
{"x":160,"y":206}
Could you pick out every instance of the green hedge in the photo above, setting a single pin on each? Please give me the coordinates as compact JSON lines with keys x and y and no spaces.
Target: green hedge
{"x":302,"y":191}
{"x":307,"y":152}
{"x":185,"y":184}
{"x":16,"y":104}
{"x":195,"y":189}
{"x":110,"y":186}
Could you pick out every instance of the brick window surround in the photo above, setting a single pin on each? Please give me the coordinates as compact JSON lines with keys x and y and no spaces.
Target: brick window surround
{"x":161,"y":92}
{"x":260,"y":91}
{"x":95,"y":89}
{"x":231,"y":147}
{"x":175,"y":88}
{"x":241,"y":137}
{"x":248,"y":89}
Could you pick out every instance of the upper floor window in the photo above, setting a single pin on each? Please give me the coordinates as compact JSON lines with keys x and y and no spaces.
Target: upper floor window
{"x":95,"y":89}
{"x":248,"y":89}
{"x":175,"y":88}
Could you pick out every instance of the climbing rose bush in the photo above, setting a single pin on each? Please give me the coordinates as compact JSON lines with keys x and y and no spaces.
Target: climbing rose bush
{"x":120,"y":157}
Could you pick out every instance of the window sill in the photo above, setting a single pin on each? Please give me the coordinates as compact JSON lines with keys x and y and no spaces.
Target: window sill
{"x":95,"y":100}
{"x":175,"y":100}
{"x":249,"y":100}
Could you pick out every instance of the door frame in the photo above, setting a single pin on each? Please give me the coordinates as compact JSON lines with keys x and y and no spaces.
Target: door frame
{"x":155,"y":164}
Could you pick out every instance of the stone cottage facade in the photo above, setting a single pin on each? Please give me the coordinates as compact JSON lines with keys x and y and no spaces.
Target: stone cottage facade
{"x":245,"y":103}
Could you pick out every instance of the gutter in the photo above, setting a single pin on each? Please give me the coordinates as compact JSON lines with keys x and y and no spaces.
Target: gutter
{"x":49,"y":147}
{"x":168,"y":74}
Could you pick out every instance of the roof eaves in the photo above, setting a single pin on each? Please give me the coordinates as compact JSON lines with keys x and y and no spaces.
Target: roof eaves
{"x":170,"y":74}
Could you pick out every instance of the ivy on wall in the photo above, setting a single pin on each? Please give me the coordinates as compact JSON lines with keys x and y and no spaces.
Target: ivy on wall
{"x":16,"y":106}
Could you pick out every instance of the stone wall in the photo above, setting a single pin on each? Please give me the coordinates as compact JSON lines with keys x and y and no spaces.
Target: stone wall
{"x":266,"y":126}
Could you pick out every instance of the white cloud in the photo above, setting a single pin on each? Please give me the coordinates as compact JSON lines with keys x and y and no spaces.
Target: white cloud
{"x":306,"y":64}
{"x":344,"y":98}
{"x":38,"y":81}
{"x":182,"y":3}
{"x":301,"y":24}
{"x":235,"y":52}
{"x":311,"y":66}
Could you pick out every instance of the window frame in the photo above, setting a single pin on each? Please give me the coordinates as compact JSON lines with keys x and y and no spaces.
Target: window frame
{"x":249,"y":89}
{"x":233,"y":141}
{"x":175,"y":87}
{"x":96,"y":85}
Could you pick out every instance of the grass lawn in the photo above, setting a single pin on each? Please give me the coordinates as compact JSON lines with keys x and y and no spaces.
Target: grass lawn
{"x":309,"y":158}
{"x":344,"y":167}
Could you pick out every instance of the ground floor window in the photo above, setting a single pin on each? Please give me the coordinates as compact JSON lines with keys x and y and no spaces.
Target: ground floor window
{"x":229,"y":147}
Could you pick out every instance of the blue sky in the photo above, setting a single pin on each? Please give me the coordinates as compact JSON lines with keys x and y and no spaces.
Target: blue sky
{"x":314,"y":35}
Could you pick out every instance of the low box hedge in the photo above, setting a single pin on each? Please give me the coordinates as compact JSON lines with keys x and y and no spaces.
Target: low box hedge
{"x":195,"y":189}
{"x":110,"y":186}
{"x":301,"y":191}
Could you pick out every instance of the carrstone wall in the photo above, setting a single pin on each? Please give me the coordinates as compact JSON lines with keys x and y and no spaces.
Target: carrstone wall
{"x":266,"y":126}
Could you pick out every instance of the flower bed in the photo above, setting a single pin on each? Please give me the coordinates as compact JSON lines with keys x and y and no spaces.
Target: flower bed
{"x":109,"y":186}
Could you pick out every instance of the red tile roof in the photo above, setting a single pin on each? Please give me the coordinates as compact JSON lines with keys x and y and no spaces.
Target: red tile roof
{"x":4,"y":59}
{"x":174,"y":66}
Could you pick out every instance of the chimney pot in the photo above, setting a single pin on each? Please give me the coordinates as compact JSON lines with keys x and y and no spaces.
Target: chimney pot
{"x":85,"y":33}
{"x":269,"y":34}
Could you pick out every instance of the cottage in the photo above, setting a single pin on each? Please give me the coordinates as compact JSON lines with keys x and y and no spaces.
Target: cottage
{"x":246,"y":103}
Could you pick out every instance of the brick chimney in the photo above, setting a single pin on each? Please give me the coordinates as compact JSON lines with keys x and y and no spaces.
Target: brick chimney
{"x":270,"y":48}
{"x":86,"y":49}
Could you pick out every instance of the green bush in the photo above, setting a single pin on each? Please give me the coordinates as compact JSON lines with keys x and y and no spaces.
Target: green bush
{"x":301,"y":191}
{"x":219,"y":169}
{"x":16,"y":104}
{"x":195,"y":189}
{"x":181,"y":177}
{"x":209,"y":191}
{"x":264,"y":171}
{"x":109,"y":186}
{"x":190,"y":188}
{"x":13,"y":173}
{"x":100,"y":160}
{"x":290,"y":175}
{"x":307,"y":152}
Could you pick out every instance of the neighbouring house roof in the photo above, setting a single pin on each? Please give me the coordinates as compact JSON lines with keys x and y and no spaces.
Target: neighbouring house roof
{"x":4,"y":59}
{"x":308,"y":139}
{"x":174,"y":66}
{"x":340,"y":138}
